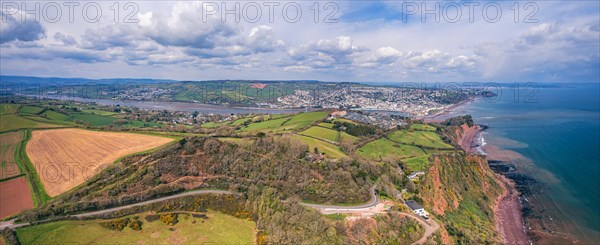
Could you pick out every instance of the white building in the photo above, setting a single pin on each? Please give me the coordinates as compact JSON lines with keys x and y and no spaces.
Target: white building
{"x":416,"y":208}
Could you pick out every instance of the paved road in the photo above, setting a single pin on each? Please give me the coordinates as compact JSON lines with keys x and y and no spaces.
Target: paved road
{"x":346,"y":209}
{"x":11,"y":223}
{"x":430,"y":226}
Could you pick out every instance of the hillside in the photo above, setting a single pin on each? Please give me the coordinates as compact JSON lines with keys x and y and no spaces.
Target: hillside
{"x":274,"y":173}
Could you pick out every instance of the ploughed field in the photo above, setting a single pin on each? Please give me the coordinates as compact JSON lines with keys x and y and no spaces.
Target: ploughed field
{"x":14,"y":197}
{"x":65,"y":158}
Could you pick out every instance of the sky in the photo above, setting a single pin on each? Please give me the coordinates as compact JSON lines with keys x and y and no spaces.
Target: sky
{"x":361,"y":41}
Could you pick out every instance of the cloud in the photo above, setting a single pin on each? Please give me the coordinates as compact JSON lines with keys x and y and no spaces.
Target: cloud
{"x":18,"y":30}
{"x":65,"y":39}
{"x":547,"y":50}
{"x":325,"y":53}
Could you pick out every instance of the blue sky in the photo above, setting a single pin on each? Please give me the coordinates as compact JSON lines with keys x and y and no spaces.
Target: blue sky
{"x":351,"y":41}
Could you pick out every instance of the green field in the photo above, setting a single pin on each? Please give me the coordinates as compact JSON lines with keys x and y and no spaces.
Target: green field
{"x":52,"y":115}
{"x":322,"y":133}
{"x":11,"y":122}
{"x":99,"y":112}
{"x":239,"y":121}
{"x":346,"y":136}
{"x":92,"y":119}
{"x":417,"y":163}
{"x":8,"y":108}
{"x":211,"y":125}
{"x":383,"y":148}
{"x":217,"y":228}
{"x":420,"y":138}
{"x":8,"y":145}
{"x":422,"y":127}
{"x":271,"y":124}
{"x":30,"y":110}
{"x":330,"y":150}
{"x":327,"y":125}
{"x":303,"y":120}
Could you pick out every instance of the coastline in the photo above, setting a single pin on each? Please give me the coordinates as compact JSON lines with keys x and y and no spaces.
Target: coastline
{"x":524,"y":208}
{"x":508,"y":210}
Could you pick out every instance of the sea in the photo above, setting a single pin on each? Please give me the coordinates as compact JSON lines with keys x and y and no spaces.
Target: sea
{"x":557,"y":129}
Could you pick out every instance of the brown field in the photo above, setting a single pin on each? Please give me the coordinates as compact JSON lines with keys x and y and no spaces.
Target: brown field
{"x":15,"y":197}
{"x":65,"y":158}
{"x":8,"y":144}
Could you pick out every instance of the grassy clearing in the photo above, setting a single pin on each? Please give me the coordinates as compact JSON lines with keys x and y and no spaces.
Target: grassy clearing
{"x":417,"y":163}
{"x":422,"y":127}
{"x":330,"y":150}
{"x":322,"y":133}
{"x":217,"y":228}
{"x":420,"y":138}
{"x":8,"y":108}
{"x":383,"y":148}
{"x":92,"y":119}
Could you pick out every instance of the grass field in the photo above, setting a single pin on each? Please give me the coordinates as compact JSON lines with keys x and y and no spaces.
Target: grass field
{"x":8,"y":145}
{"x":420,"y":138}
{"x":211,"y":125}
{"x":92,"y":119}
{"x":417,"y":163}
{"x":383,"y":148}
{"x":8,"y":108}
{"x":64,"y":158}
{"x":99,"y":112}
{"x":271,"y":124}
{"x":240,"y":121}
{"x":330,"y":150}
{"x":303,"y":120}
{"x":52,"y":115}
{"x":322,"y":133}
{"x":30,"y":110}
{"x":422,"y":127}
{"x":217,"y":228}
{"x":10,"y":122}
{"x":344,"y":136}
{"x":326,"y":125}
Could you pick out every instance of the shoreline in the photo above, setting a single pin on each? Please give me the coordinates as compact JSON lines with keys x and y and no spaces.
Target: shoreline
{"x":509,"y":217}
{"x":521,"y":212}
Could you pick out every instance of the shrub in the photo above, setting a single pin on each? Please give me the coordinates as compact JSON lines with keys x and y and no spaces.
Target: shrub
{"x":169,"y":219}
{"x":116,"y":225}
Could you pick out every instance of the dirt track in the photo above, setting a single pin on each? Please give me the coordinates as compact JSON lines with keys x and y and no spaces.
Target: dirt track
{"x":65,"y":158}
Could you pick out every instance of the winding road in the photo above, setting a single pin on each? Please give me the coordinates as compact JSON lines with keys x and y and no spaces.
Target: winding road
{"x":369,"y":208}
{"x":12,"y":225}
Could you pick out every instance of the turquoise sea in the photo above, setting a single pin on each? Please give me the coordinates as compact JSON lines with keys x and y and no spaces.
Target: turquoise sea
{"x":558,"y":130}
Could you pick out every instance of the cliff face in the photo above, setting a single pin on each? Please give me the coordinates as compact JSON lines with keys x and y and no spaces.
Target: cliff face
{"x":461,"y":190}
